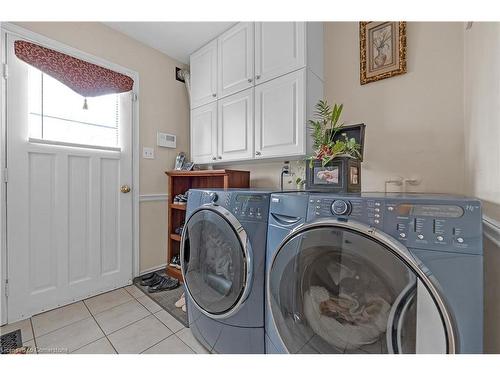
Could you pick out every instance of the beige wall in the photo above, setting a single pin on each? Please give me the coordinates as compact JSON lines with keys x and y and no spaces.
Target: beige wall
{"x":163,"y":105}
{"x":414,"y":122}
{"x":482,"y":114}
{"x":482,"y":153}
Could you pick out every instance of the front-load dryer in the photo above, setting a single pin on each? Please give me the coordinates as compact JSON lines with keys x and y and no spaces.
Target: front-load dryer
{"x":223,"y":247}
{"x":374,"y":273}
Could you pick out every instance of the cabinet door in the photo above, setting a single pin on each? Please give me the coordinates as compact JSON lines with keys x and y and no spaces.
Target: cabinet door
{"x":204,"y":133}
{"x":235,"y":126}
{"x":280,"y":123}
{"x":203,"y":66}
{"x":279,"y":49}
{"x":235,"y":64}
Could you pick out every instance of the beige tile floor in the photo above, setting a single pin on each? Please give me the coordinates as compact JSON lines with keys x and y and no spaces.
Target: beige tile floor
{"x":124,"y":320}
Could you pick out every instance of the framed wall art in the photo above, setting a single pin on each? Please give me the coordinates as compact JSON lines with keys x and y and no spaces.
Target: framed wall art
{"x":382,"y":50}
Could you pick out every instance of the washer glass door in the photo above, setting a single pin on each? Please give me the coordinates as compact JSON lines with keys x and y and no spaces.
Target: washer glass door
{"x":214,"y":261}
{"x":336,"y":290}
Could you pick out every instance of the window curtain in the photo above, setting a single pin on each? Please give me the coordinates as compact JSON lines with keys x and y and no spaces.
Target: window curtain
{"x":86,"y":79}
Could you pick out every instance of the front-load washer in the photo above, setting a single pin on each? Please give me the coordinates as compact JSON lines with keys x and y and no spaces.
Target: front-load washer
{"x":374,"y":273}
{"x":223,"y":247}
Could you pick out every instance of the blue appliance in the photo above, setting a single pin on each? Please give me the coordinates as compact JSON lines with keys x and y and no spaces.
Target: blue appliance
{"x":222,"y":251}
{"x":374,"y":273}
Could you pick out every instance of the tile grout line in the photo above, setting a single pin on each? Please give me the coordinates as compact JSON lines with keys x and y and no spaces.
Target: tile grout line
{"x":169,"y":336}
{"x":173,"y":333}
{"x":96,"y":322}
{"x":83,"y":301}
{"x":190,"y":347}
{"x":34,"y":338}
{"x":139,"y":321}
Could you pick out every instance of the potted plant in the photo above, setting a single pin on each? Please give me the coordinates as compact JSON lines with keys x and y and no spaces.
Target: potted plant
{"x":337,"y":151}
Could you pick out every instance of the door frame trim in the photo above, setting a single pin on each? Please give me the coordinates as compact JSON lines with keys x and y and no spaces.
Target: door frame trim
{"x":9,"y":28}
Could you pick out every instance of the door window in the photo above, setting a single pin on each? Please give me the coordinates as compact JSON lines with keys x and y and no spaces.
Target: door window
{"x":333,"y":290}
{"x":214,"y":262}
{"x":56,"y":113}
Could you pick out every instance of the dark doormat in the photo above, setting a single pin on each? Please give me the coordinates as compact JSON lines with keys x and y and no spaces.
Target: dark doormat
{"x":11,"y":341}
{"x":166,"y":299}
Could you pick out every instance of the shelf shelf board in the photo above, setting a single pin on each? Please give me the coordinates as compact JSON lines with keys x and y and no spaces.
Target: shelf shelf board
{"x":176,"y":206}
{"x":175,"y":237}
{"x":174,"y":272}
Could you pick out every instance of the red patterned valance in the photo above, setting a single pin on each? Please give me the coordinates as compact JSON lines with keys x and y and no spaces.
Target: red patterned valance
{"x":85,"y":78}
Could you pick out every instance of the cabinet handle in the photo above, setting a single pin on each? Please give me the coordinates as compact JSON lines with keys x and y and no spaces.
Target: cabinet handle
{"x":214,"y":95}
{"x":257,"y":76}
{"x":250,"y":80}
{"x":219,"y":157}
{"x":214,"y":158}
{"x":258,"y":153}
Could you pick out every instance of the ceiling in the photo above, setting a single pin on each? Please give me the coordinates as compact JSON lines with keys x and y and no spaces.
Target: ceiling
{"x":176,"y":39}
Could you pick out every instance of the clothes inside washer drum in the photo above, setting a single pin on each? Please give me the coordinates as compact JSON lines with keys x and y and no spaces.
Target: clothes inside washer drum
{"x":342,"y":322}
{"x":219,"y":283}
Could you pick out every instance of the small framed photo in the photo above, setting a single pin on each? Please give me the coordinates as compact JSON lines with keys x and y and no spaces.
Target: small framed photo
{"x":382,"y":50}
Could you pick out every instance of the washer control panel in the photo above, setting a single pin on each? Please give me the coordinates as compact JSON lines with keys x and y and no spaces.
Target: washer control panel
{"x":420,"y":222}
{"x":251,"y":206}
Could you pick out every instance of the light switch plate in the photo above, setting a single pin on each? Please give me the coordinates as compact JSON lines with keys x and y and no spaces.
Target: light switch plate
{"x":148,"y":153}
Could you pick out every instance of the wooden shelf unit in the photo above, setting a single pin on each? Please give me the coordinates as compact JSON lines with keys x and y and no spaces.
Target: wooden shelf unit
{"x":181,"y":181}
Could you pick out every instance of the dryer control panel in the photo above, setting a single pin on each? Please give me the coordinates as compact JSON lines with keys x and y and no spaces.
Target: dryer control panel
{"x":418,"y":221}
{"x":244,"y":205}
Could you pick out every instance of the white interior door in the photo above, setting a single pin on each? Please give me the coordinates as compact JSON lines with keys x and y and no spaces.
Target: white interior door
{"x":69,"y":227}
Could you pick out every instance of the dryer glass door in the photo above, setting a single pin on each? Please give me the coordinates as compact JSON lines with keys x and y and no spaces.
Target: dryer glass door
{"x":214,"y":261}
{"x":336,"y":290}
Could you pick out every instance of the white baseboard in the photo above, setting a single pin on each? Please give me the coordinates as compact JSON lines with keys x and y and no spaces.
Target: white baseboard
{"x":153,"y":269}
{"x":153,"y":197}
{"x":491,"y":230}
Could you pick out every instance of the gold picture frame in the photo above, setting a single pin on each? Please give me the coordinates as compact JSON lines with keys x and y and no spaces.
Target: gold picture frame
{"x":382,"y":50}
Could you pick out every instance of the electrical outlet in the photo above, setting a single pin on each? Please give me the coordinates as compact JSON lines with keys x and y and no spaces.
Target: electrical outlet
{"x":148,"y":153}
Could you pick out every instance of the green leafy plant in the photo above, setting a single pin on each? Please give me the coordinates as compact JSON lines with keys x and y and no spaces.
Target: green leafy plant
{"x":324,"y":128}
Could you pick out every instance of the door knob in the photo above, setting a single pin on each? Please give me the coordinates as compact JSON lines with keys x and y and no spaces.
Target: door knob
{"x":219,"y":157}
{"x":257,"y":76}
{"x":258,"y":153}
{"x":249,"y":80}
{"x":214,"y":158}
{"x":214,"y":95}
{"x":125,"y":189}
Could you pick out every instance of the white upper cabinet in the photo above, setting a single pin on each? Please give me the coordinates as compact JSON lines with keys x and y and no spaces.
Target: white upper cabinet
{"x":204,"y":133}
{"x":203,"y":66}
{"x":279,"y":49}
{"x":280,"y":123}
{"x":235,"y":126}
{"x":236,"y":59}
{"x":253,"y":90}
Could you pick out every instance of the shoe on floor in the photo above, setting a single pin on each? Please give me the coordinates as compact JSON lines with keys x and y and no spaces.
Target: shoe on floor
{"x":181,"y":302}
{"x":147,"y":276}
{"x":152,"y":281}
{"x":164,"y":284}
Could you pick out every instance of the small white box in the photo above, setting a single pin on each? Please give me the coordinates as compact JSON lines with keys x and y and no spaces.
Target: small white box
{"x":166,"y":140}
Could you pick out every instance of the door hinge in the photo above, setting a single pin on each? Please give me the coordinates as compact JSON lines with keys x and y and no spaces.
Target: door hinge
{"x":134,"y":97}
{"x":5,"y":175}
{"x":5,"y":70}
{"x":6,"y":287}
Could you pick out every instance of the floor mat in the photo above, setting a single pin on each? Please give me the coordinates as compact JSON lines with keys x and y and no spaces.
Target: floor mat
{"x":166,"y":299}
